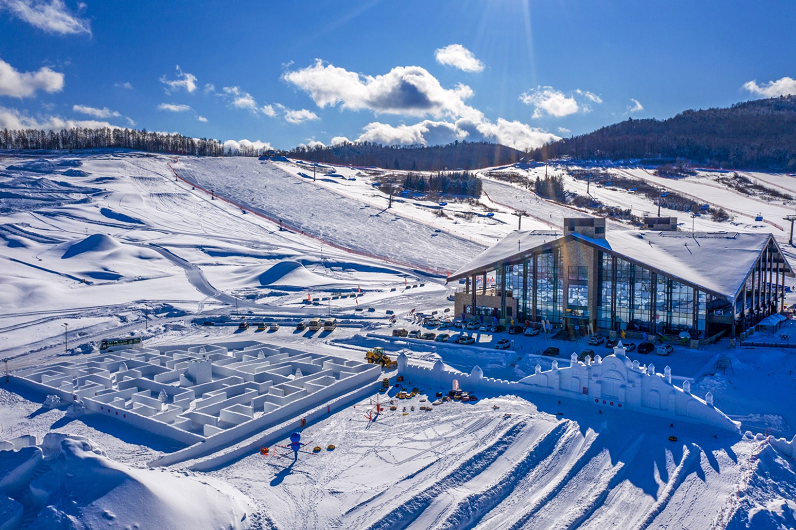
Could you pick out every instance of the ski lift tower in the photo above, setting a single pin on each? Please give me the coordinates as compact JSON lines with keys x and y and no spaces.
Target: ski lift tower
{"x":790,"y":218}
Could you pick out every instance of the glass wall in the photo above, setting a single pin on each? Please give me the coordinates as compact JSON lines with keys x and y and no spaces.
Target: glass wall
{"x":605,"y":279}
{"x":578,"y":292}
{"x":641,"y":308}
{"x":515,"y":287}
{"x":550,"y":287}
{"x":624,"y":292}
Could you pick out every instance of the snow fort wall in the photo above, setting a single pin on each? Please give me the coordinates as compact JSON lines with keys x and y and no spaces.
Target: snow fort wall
{"x":615,"y":381}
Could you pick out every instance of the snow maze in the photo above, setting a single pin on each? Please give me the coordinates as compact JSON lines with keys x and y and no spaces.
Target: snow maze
{"x":203,"y":393}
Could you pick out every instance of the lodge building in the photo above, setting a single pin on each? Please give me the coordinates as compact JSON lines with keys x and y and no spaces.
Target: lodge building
{"x":656,"y":281}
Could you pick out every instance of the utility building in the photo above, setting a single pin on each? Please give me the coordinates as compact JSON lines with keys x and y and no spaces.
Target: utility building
{"x":657,"y":281}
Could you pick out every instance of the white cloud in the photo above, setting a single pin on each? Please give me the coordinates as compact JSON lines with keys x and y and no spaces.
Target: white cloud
{"x":312,"y":144}
{"x":125,"y":85}
{"x":268,"y":110}
{"x":635,"y":107}
{"x":184,"y":80}
{"x":130,"y":121}
{"x":171,"y":107}
{"x":547,"y":100}
{"x":340,"y":140}
{"x":202,"y":119}
{"x":51,"y":17}
{"x":236,"y":146}
{"x":210,"y":87}
{"x":564,"y":130}
{"x":459,"y":57}
{"x":25,"y":84}
{"x":14,"y":119}
{"x":511,"y":133}
{"x":240,"y":99}
{"x":300,"y":116}
{"x":781,"y":87}
{"x":405,"y":90}
{"x":104,"y":112}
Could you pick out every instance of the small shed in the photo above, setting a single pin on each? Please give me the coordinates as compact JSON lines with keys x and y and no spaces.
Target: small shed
{"x":771,"y":323}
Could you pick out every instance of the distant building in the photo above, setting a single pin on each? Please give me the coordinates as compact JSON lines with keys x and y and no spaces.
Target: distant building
{"x":660,"y":223}
{"x":657,"y":281}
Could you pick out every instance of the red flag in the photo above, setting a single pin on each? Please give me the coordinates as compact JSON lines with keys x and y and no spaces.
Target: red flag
{"x":359,"y":289}
{"x":405,"y":281}
{"x":309,"y":297}
{"x":356,"y":300}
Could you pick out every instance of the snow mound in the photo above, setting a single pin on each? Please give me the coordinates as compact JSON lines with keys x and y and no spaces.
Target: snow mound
{"x":292,"y":274}
{"x":70,"y":484}
{"x":93,"y":243}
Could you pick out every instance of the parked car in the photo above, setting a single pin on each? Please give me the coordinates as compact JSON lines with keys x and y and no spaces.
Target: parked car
{"x":586,"y":353}
{"x":301,"y":326}
{"x":428,"y":336}
{"x":472,"y":325}
{"x":274,"y":326}
{"x":514,"y":330}
{"x":646,"y":347}
{"x":552,"y":351}
{"x":443,"y":324}
{"x":464,"y":339}
{"x":442,"y":337}
{"x":483,"y":328}
{"x":415,"y":334}
{"x":400,"y":332}
{"x":664,"y":349}
{"x":499,"y":328}
{"x":502,"y":344}
{"x":531,"y":332}
{"x":630,"y":346}
{"x":596,"y":340}
{"x":611,"y":343}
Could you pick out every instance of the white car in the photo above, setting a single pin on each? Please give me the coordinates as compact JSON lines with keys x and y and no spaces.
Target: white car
{"x":502,"y":344}
{"x":531,"y":332}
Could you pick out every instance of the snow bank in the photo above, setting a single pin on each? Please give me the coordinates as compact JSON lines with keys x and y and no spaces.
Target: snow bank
{"x":93,"y":243}
{"x":292,"y":274}
{"x":73,"y":485}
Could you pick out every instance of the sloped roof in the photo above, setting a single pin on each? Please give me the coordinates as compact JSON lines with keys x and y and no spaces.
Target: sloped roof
{"x":513,"y":245}
{"x":714,"y":262}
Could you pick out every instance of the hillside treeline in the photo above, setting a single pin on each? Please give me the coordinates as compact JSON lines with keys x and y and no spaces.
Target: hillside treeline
{"x":79,"y":138}
{"x":755,"y":135}
{"x":457,"y":155}
{"x":444,"y":183}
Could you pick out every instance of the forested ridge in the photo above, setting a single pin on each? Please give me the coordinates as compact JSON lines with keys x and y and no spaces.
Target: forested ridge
{"x":755,"y":135}
{"x":453,"y":156}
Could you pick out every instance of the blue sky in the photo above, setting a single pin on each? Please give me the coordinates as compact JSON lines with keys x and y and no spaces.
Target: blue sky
{"x":519,"y":72}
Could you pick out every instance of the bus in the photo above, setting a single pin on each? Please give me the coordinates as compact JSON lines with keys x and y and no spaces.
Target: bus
{"x":330,"y":325}
{"x":315,"y":324}
{"x":119,"y":344}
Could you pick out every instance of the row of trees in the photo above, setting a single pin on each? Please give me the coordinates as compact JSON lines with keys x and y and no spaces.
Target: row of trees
{"x":756,"y":135}
{"x":456,"y":155}
{"x":103,"y":138}
{"x":444,"y":183}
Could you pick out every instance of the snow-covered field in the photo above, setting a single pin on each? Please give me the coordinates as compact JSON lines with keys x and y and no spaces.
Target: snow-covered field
{"x":112,"y":244}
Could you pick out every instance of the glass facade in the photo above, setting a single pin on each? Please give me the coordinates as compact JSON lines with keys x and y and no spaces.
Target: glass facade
{"x":549,"y":287}
{"x":605,"y":279}
{"x":558,"y":285}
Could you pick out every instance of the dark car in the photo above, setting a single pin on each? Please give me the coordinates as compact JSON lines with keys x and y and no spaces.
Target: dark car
{"x":552,"y":351}
{"x":611,"y":343}
{"x":428,"y":336}
{"x":586,"y":353}
{"x":630,"y":346}
{"x":646,"y":347}
{"x":514,"y":330}
{"x":301,"y":326}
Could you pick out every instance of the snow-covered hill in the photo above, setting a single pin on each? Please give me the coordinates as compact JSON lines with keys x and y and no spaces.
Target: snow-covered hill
{"x":114,"y":243}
